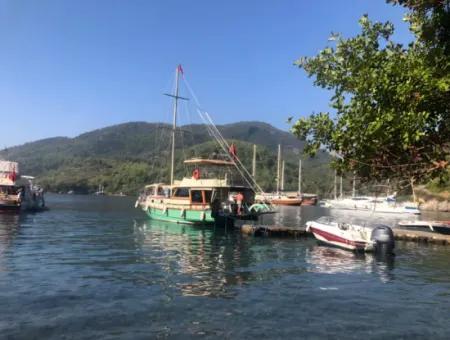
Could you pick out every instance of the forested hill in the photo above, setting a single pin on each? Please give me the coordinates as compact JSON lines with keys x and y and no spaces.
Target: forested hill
{"x":125,"y":157}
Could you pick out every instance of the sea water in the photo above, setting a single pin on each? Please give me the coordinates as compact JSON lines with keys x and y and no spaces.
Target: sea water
{"x":95,"y":267}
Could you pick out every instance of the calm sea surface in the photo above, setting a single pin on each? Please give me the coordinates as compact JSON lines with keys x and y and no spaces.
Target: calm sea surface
{"x":94,"y":267}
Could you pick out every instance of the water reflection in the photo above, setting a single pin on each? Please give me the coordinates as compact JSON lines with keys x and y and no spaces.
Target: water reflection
{"x":9,"y":226}
{"x":203,"y":258}
{"x":328,"y":260}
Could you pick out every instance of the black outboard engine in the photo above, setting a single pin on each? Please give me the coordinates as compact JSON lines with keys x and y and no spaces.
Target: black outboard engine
{"x":384,"y":239}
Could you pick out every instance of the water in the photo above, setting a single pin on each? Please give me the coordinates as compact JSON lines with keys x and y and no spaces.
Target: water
{"x":95,"y":267}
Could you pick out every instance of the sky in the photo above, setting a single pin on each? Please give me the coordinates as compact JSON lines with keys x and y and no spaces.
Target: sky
{"x":68,"y":67}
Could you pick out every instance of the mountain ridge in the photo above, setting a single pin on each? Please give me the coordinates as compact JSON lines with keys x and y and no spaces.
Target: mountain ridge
{"x":125,"y":156}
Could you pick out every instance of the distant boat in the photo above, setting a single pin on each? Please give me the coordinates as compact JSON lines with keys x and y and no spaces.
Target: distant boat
{"x":101,"y":190}
{"x":375,"y":204}
{"x":282,"y":197}
{"x":309,"y":199}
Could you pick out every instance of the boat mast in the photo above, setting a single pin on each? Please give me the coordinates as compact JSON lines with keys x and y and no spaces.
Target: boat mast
{"x":335,"y":184}
{"x":282,"y":176}
{"x":174,"y":124}
{"x":340,"y":187}
{"x":354,"y":186}
{"x":300,"y":176}
{"x":254,"y":161}
{"x":278,"y":168}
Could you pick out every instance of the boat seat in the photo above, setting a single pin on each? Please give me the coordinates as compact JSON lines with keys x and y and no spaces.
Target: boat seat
{"x":343,"y":226}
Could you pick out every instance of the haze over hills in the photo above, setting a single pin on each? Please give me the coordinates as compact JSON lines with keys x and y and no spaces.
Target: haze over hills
{"x":125,"y":157}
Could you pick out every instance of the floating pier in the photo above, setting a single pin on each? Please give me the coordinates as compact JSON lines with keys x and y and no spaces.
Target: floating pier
{"x":274,"y":231}
{"x":300,"y":232}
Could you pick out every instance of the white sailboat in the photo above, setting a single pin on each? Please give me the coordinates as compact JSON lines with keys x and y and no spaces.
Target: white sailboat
{"x":375,"y":204}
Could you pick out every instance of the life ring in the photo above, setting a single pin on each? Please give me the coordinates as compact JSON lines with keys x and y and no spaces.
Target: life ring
{"x":196,"y":174}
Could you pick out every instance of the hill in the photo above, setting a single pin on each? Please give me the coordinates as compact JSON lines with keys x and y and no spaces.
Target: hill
{"x":125,"y":157}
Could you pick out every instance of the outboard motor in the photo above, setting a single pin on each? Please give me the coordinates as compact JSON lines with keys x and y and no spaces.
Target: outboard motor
{"x":384,"y":239}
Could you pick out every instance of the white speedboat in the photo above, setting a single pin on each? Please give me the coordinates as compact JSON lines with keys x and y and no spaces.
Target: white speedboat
{"x":441,"y":227}
{"x":350,"y":236}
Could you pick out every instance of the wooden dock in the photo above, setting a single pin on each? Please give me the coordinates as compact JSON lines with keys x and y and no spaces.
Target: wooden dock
{"x":274,"y":231}
{"x":300,"y":232}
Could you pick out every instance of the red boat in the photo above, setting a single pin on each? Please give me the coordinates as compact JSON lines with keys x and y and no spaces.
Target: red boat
{"x":309,"y":199}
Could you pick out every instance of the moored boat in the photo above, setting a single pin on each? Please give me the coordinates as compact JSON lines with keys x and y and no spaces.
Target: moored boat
{"x":384,"y":205}
{"x":286,"y":198}
{"x":18,"y":192}
{"x":309,"y":199}
{"x":351,"y":236}
{"x":216,"y":191}
{"x":441,"y":227}
{"x":202,"y":199}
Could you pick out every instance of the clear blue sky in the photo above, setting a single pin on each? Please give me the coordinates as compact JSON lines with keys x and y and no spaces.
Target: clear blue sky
{"x":67,"y":67}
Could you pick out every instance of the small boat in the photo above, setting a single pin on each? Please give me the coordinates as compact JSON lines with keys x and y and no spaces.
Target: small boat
{"x":309,"y":199}
{"x":441,"y":227}
{"x":352,"y":237}
{"x":281,"y":198}
{"x":100,"y":191}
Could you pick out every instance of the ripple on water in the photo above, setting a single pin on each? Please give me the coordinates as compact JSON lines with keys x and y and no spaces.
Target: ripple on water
{"x":95,"y":267}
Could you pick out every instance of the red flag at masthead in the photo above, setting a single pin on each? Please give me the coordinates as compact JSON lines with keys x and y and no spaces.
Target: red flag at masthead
{"x":180,"y":69}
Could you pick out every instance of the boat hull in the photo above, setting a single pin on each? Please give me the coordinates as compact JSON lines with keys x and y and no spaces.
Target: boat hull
{"x":291,"y":202}
{"x":440,"y":227}
{"x":338,"y":241}
{"x":309,"y":201}
{"x":354,"y":240}
{"x":183,"y":216}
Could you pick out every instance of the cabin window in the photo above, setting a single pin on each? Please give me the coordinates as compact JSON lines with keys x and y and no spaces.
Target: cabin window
{"x":196,"y":196}
{"x":208,"y":194}
{"x":181,"y":192}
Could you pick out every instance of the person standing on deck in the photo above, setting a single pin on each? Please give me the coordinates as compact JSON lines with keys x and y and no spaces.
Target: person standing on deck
{"x":239,"y":199}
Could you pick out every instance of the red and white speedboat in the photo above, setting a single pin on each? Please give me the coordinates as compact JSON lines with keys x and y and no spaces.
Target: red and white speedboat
{"x":351,"y":236}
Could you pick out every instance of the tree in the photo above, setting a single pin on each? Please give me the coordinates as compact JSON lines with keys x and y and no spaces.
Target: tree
{"x":392,"y":105}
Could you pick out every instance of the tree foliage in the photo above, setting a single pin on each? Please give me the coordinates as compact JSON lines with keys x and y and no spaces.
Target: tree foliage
{"x":391,"y":103}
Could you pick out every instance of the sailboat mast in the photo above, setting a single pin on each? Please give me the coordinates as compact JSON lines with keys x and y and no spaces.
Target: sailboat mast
{"x":299,"y":176}
{"x":340,"y":187}
{"x":254,"y":161}
{"x":354,"y":186}
{"x":174,"y":125}
{"x":282,"y":176}
{"x":278,"y":168}
{"x":335,"y":184}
